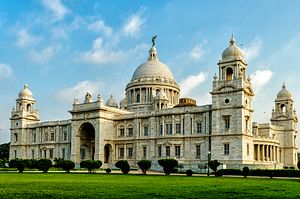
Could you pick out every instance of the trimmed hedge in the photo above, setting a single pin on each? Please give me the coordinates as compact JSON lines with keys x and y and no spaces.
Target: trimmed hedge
{"x":236,"y":172}
{"x":91,"y":165}
{"x":264,"y":172}
{"x":123,"y":165}
{"x":168,"y":165}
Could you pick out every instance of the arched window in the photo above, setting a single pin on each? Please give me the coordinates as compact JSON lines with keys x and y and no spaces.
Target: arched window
{"x":138,"y":98}
{"x":229,"y":74}
{"x":283,"y":108}
{"x":28,"y":108}
{"x":162,"y":106}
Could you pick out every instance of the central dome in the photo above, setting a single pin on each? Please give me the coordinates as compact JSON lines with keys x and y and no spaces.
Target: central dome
{"x":153,"y":68}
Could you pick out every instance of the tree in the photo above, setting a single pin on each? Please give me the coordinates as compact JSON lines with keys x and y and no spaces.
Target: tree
{"x":246,"y":172}
{"x":189,"y":172}
{"x":144,"y":165}
{"x":213,"y":164}
{"x":67,"y":165}
{"x":168,"y":165}
{"x":91,"y":165}
{"x":30,"y":163}
{"x":17,"y":163}
{"x":123,"y":165}
{"x":44,"y":165}
{"x":4,"y":151}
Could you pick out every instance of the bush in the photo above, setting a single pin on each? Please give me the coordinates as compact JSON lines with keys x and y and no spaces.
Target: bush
{"x":168,"y":165}
{"x":17,"y":163}
{"x":30,"y":163}
{"x":58,"y":162}
{"x":213,"y":164}
{"x":67,"y":165}
{"x":275,"y":173}
{"x":219,"y":173}
{"x":298,"y":165}
{"x":2,"y":163}
{"x":246,"y":172}
{"x":91,"y":165}
{"x":123,"y":165}
{"x":232,"y":172}
{"x":144,"y":165}
{"x":189,"y":172}
{"x":108,"y":170}
{"x":44,"y":165}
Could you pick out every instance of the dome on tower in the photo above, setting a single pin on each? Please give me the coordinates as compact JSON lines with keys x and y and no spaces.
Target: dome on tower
{"x":112,"y":102}
{"x":153,"y":68}
{"x":233,"y":52}
{"x":284,"y":94}
{"x":25,"y":93}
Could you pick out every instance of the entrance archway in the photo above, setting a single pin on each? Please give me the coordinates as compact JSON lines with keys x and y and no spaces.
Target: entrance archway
{"x":87,"y":141}
{"x":107,"y":153}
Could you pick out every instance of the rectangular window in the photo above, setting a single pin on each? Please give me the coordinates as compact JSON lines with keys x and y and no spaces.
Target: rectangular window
{"x":63,"y":151}
{"x":198,"y":151}
{"x":178,"y":128}
{"x":145,"y":130}
{"x":144,"y":152}
{"x":122,"y":132}
{"x":199,"y":127}
{"x":130,"y":150}
{"x":248,"y":150}
{"x":16,"y":137}
{"x":121,"y":153}
{"x":45,"y":153}
{"x":169,"y":129}
{"x":32,"y":153}
{"x":65,"y":135}
{"x":34,"y":137}
{"x":51,"y":153}
{"x":15,"y":152}
{"x":168,"y":151}
{"x":159,"y":151}
{"x":177,"y":151}
{"x":82,"y":154}
{"x":52,"y":136}
{"x":161,"y":129}
{"x":226,"y":149}
{"x":130,"y":132}
{"x":46,"y":137}
{"x":227,"y":122}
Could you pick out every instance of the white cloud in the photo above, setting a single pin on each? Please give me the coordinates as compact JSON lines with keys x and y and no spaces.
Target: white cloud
{"x":260,"y":78}
{"x":100,"y":54}
{"x":191,"y":82}
{"x":133,"y":26}
{"x":253,"y":50}
{"x":78,"y":91}
{"x":5,"y":71}
{"x":99,"y":26}
{"x":42,"y":56}
{"x":197,"y":52}
{"x":57,"y":8}
{"x":25,"y":39}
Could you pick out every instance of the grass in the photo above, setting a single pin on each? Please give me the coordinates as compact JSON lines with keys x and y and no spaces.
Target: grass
{"x":63,"y":185}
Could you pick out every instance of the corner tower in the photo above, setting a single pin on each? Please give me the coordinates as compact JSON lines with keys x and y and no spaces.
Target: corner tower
{"x":232,"y":109}
{"x":284,"y":116}
{"x":23,"y":114}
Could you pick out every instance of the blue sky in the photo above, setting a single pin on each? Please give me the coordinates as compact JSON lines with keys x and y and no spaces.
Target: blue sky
{"x":64,"y":48}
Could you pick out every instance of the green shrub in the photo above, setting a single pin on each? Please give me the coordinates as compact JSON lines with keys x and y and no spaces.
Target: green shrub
{"x":58,"y":162}
{"x":246,"y":172}
{"x":108,"y":170}
{"x":44,"y":165}
{"x":30,"y":163}
{"x":2,"y":163}
{"x":144,"y":165}
{"x":232,"y":172}
{"x":219,"y":173}
{"x":189,"y":172}
{"x":168,"y":165}
{"x":213,"y":164}
{"x":298,"y":165}
{"x":91,"y":165}
{"x":17,"y":163}
{"x":67,"y":165}
{"x":275,"y":173}
{"x":123,"y":165}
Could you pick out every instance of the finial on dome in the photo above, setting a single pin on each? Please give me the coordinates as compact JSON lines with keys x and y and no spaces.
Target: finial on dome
{"x":283,"y":85}
{"x":232,"y":40}
{"x":153,"y":40}
{"x":25,"y":86}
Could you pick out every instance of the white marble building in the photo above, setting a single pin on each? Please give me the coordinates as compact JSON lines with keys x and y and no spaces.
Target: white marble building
{"x":152,"y":122}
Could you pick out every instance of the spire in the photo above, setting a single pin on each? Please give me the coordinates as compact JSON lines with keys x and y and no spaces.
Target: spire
{"x":232,"y":40}
{"x":152,"y":52}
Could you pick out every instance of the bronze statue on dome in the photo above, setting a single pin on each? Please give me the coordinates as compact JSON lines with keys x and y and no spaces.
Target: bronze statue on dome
{"x":153,"y":40}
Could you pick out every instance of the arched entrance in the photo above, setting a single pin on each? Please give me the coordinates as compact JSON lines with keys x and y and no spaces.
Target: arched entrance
{"x":107,"y":153}
{"x":87,"y":141}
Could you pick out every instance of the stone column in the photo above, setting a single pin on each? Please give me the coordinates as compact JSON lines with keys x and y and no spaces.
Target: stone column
{"x":263,"y":152}
{"x":258,"y":152}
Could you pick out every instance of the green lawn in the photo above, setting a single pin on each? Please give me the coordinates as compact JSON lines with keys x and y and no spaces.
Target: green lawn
{"x":61,"y":185}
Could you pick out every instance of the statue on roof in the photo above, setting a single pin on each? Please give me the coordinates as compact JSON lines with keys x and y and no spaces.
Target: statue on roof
{"x":153,"y":40}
